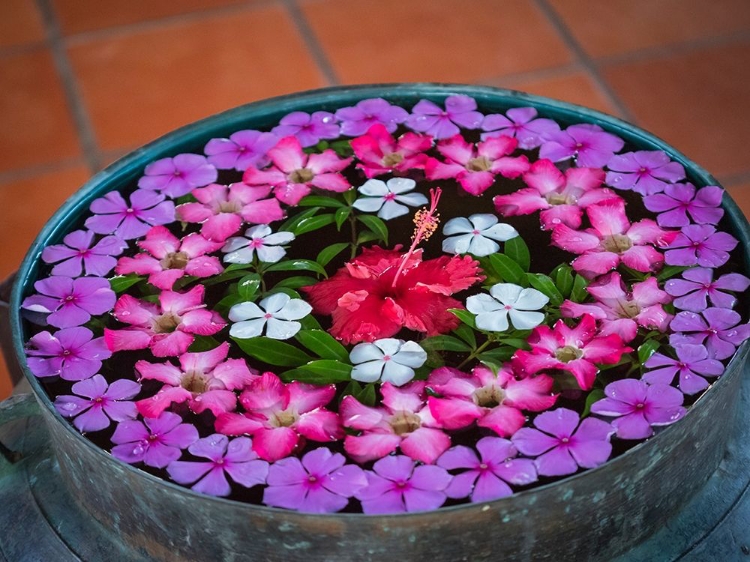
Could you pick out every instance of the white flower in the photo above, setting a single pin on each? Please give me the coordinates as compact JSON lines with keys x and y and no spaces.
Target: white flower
{"x":387,"y":198}
{"x":388,"y":360}
{"x":507,"y":300}
{"x":259,"y":239}
{"x":476,"y":235}
{"x":278,"y":311}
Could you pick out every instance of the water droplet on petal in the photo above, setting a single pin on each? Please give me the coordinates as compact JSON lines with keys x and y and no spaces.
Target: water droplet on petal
{"x":137,"y":450}
{"x":69,"y":406}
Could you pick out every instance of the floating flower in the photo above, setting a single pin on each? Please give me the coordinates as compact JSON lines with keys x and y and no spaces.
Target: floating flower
{"x":682,"y":199}
{"x":258,"y":239}
{"x":389,"y":199}
{"x":692,"y":365}
{"x":645,"y":172}
{"x":387,"y":360}
{"x":241,"y":150}
{"x":429,"y":118}
{"x":379,"y":153}
{"x":697,"y":285}
{"x":489,"y":474}
{"x":70,"y":302}
{"x":279,"y":312}
{"x":178,"y":176}
{"x":521,"y":123}
{"x":561,"y":445}
{"x":591,"y":146}
{"x":70,"y":353}
{"x":395,"y":485}
{"x":719,"y":328}
{"x":76,"y":254}
{"x":234,"y":458}
{"x":306,"y":128}
{"x":318,"y":483}
{"x":357,"y":120}
{"x":476,"y":235}
{"x":700,"y":244}
{"x":97,"y":403}
{"x":114,"y":215}
{"x":507,"y":300}
{"x":154,"y":441}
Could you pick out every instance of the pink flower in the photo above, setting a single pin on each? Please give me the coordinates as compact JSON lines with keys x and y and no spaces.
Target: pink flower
{"x":475,"y":166}
{"x":366,"y":305}
{"x":697,"y":285}
{"x":167,"y":258}
{"x":204,"y":380}
{"x":621,"y":312}
{"x":591,"y":146}
{"x":379,"y":153}
{"x":700,"y":244}
{"x":681,"y":199}
{"x":358,"y":119}
{"x":77,"y":254}
{"x":154,"y":442}
{"x":70,"y":353}
{"x":97,"y":403}
{"x":645,"y":172}
{"x":280,"y":416}
{"x":429,"y":118}
{"x":241,"y":150}
{"x":493,"y":401}
{"x":521,"y":124}
{"x":294,"y":173}
{"x":167,"y":329}
{"x":70,"y":302}
{"x":128,"y":220}
{"x":405,"y":421}
{"x":576,"y":350}
{"x":308,"y":129}
{"x":178,"y":176}
{"x":613,"y":240}
{"x":561,"y":198}
{"x":222,"y":209}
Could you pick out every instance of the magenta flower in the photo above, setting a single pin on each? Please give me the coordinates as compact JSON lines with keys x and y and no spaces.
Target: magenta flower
{"x":280,"y":416}
{"x":222,"y":209}
{"x":460,"y":111}
{"x":70,"y":302}
{"x":154,"y":441}
{"x":178,"y":176}
{"x":697,"y":285}
{"x":241,"y":150}
{"x":114,"y":215}
{"x":490,"y":474}
{"x":167,"y":258}
{"x":719,"y":329}
{"x":613,"y":240}
{"x":97,"y":403}
{"x":622,"y":312}
{"x":645,"y":172}
{"x":692,"y":365}
{"x":319,"y":483}
{"x":521,"y":123}
{"x":561,"y":198}
{"x":167,"y":329}
{"x":76,"y":254}
{"x":70,"y":353}
{"x":379,"y":153}
{"x":700,"y":244}
{"x":395,"y":485}
{"x":357,"y":120}
{"x":591,"y":146}
{"x":681,"y":199}
{"x":205,"y":380}
{"x":561,"y":445}
{"x":576,"y":350}
{"x":494,"y":401}
{"x":294,"y":173}
{"x":639,"y":407}
{"x":308,"y":129}
{"x":234,"y":458}
{"x":475,"y":166}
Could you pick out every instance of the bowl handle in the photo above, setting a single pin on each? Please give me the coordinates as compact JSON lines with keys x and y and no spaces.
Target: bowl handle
{"x":15,"y":408}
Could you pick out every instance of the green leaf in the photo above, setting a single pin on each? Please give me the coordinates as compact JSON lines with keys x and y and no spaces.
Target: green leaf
{"x":367,"y":236}
{"x":670,"y":271}
{"x":310,"y":323}
{"x":296,"y":282}
{"x":320,"y":201}
{"x":517,"y":250}
{"x":291,"y":223}
{"x":330,"y":252}
{"x":647,"y":349}
{"x":464,"y":316}
{"x":546,"y":286}
{"x":228,"y":275}
{"x":364,"y":394}
{"x":223,"y":306}
{"x":343,"y":148}
{"x":248,"y":287}
{"x":517,"y":343}
{"x":341,"y":216}
{"x":313,"y":223}
{"x":203,"y":343}
{"x":562,"y":275}
{"x":273,"y":352}
{"x":579,"y":292}
{"x":121,"y":283}
{"x":298,"y":265}
{"x":491,"y":363}
{"x":286,"y":290}
{"x":507,"y":269}
{"x":322,"y":344}
{"x":467,"y":334}
{"x":594,"y":396}
{"x":376,"y":225}
{"x":444,"y":343}
{"x":325,"y":371}
{"x":499,"y":354}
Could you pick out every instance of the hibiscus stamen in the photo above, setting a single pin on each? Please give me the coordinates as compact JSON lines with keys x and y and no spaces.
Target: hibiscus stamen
{"x":426,"y":222}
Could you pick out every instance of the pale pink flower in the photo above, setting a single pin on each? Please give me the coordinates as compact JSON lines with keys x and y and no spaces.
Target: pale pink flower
{"x":521,"y":123}
{"x":178,"y":176}
{"x":590,"y":145}
{"x":460,"y":110}
{"x":379,"y":153}
{"x":241,"y":150}
{"x":309,"y":129}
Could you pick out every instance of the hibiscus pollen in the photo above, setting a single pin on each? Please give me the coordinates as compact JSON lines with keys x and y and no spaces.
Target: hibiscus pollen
{"x":426,"y":221}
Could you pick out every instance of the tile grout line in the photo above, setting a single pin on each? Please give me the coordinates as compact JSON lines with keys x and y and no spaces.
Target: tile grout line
{"x":735,"y":179}
{"x":311,"y":41}
{"x":73,"y":100}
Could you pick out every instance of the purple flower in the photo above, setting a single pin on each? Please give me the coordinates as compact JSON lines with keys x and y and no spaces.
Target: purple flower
{"x":590,"y":144}
{"x":76,"y":254}
{"x":700,"y":244}
{"x":112,"y":214}
{"x":156,"y":443}
{"x":98,"y":402}
{"x":719,"y":327}
{"x":71,"y":302}
{"x":308,"y":129}
{"x":395,"y":485}
{"x":70,"y":353}
{"x":696,"y":285}
{"x":178,"y":176}
{"x":241,"y":150}
{"x":459,"y":110}
{"x":560,"y":448}
{"x":319,"y":483}
{"x":645,"y":172}
{"x":487,"y":478}
{"x":681,"y":199}
{"x":235,"y":458}
{"x":639,"y":406}
{"x":692,"y":365}
{"x":357,"y":120}
{"x":521,"y":124}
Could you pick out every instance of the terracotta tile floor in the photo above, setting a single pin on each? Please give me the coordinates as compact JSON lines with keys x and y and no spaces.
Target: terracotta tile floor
{"x":84,"y":81}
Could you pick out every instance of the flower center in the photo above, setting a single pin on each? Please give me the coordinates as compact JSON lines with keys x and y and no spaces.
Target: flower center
{"x":66,"y":352}
{"x":175,"y":260}
{"x":629,"y":309}
{"x":129,"y":211}
{"x":229,"y":206}
{"x":389,"y":196}
{"x":69,"y":298}
{"x":392,"y":159}
{"x":617,"y":243}
{"x":268,"y":316}
{"x":303,"y":175}
{"x":166,"y":323}
{"x":194,"y":381}
{"x":568,"y":353}
{"x":565,"y":440}
{"x":405,"y":422}
{"x":98,"y":400}
{"x":559,"y":199}
{"x":488,"y":396}
{"x":283,"y":419}
{"x":479,"y":164}
{"x":640,"y":406}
